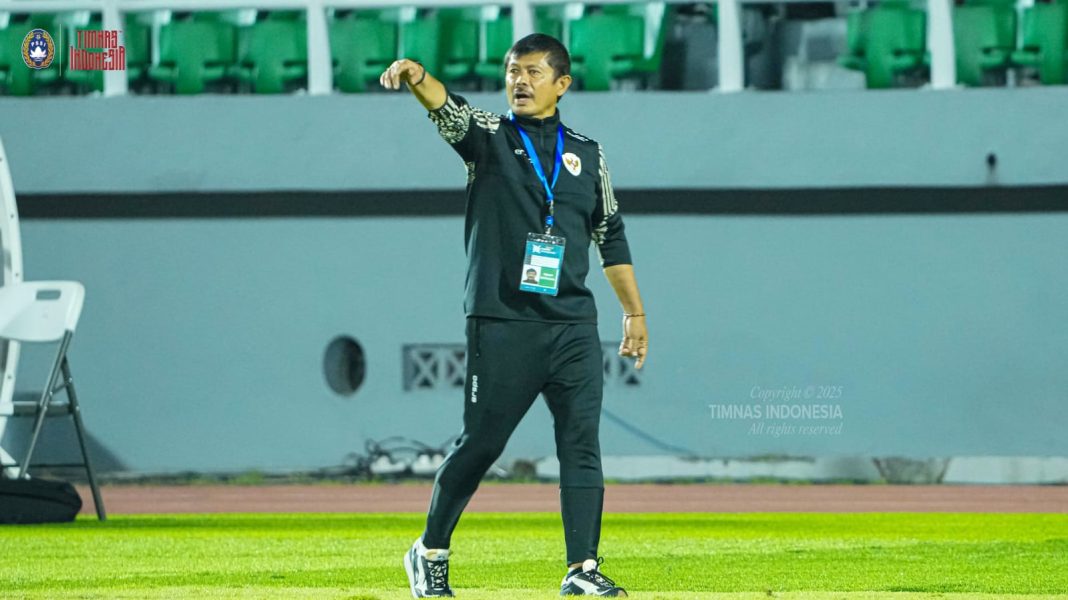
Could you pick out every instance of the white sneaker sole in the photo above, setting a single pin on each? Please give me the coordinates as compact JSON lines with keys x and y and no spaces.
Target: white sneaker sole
{"x":411,"y":574}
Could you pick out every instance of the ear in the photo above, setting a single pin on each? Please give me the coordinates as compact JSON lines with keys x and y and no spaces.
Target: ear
{"x":562,"y":84}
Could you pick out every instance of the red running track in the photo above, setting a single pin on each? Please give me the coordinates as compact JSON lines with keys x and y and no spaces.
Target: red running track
{"x":123,"y":499}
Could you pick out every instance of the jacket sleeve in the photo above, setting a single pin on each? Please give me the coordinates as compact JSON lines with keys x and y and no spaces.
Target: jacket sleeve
{"x":464,"y":127}
{"x":608,"y":230}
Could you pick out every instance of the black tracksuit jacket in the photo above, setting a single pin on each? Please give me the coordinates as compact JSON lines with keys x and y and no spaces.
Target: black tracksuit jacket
{"x":506,"y":201}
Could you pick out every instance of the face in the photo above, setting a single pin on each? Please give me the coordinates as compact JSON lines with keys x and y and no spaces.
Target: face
{"x":531,"y":86}
{"x":531,"y":274}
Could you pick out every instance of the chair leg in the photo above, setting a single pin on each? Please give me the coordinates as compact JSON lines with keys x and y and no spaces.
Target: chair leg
{"x":42,"y":405}
{"x":38,"y":421}
{"x":79,"y":427}
{"x":9,"y":467}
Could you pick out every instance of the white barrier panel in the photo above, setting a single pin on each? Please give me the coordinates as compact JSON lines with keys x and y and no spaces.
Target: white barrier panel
{"x":11,"y":254}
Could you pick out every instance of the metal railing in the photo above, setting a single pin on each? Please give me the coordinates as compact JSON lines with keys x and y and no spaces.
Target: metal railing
{"x":731,"y":57}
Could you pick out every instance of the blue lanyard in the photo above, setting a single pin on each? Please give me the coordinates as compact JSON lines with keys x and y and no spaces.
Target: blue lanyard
{"x":533,"y":156}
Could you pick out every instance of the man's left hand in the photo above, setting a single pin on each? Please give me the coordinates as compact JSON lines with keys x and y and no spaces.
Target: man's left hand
{"x":635,"y":340}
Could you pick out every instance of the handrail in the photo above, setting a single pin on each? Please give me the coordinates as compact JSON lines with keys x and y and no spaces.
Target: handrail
{"x":320,"y":77}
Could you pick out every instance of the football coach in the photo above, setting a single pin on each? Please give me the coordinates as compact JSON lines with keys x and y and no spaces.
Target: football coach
{"x":538,"y":194}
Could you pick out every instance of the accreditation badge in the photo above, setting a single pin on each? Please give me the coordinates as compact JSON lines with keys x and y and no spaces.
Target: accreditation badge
{"x":542,"y":263}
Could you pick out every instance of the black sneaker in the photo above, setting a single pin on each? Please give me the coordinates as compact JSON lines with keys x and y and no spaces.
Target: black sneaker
{"x":588,"y":580}
{"x":428,"y":571}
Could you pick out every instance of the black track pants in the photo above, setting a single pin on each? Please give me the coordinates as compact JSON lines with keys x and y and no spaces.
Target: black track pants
{"x":508,"y":364}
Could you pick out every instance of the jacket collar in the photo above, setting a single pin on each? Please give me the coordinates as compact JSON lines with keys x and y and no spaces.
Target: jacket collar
{"x":532,"y":124}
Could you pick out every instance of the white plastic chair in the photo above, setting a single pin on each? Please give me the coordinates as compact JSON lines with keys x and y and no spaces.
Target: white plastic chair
{"x":44,"y":312}
{"x":10,"y":272}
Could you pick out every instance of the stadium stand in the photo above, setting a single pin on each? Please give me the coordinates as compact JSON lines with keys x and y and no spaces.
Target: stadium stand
{"x":606,"y":46}
{"x":1043,"y":38}
{"x":887,"y":43}
{"x":274,"y":58}
{"x":984,"y":34}
{"x":194,"y":53}
{"x":361,"y":46}
{"x":460,"y":38}
{"x":497,"y":33}
{"x":614,"y":46}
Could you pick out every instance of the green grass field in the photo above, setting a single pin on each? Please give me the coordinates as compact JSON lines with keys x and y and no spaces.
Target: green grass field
{"x":669,"y":556}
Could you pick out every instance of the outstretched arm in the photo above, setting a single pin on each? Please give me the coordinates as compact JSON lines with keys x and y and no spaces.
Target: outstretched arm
{"x":464,"y":127}
{"x":429,"y":91}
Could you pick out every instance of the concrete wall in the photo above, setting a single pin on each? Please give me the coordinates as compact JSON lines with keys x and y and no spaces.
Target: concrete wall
{"x":202,"y":341}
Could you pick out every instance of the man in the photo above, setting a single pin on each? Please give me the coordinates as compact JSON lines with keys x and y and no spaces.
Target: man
{"x":532,"y":276}
{"x":537,"y":194}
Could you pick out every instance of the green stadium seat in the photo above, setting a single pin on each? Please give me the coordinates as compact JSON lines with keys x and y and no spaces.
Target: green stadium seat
{"x":605,"y":47}
{"x":239,"y":19}
{"x":648,"y":64}
{"x":421,"y":41}
{"x":459,"y":29}
{"x":498,"y":35}
{"x":1043,"y":38}
{"x":550,"y":19}
{"x":286,"y":15}
{"x":9,"y":39}
{"x":92,"y":80}
{"x":984,"y":36}
{"x":856,"y":38}
{"x":276,"y":56}
{"x":138,"y":40}
{"x":885,"y":42}
{"x":194,"y":53}
{"x":622,"y":9}
{"x":361,"y":48}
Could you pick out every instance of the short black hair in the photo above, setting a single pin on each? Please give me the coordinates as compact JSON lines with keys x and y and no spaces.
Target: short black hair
{"x":558,"y":57}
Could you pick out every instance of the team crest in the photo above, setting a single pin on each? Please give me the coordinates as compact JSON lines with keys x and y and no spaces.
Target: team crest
{"x":38,"y":49}
{"x":573,"y":164}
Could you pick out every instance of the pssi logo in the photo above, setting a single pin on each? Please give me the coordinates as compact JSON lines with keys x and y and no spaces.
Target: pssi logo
{"x":573,"y":164}
{"x":38,"y":49}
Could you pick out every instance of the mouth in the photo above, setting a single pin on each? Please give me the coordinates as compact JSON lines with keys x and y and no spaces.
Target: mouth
{"x":522,"y":96}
